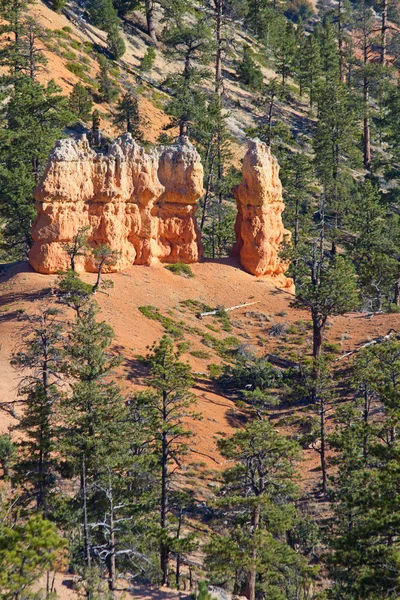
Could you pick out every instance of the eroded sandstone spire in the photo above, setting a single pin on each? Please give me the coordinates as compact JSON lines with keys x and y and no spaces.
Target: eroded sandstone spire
{"x":259,"y":227}
{"x":143,"y":204}
{"x":140,"y":203}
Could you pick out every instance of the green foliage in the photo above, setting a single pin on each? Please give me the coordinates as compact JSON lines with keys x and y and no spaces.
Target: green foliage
{"x":27,"y":551}
{"x":181,"y":269}
{"x":115,"y":43}
{"x":73,"y":292}
{"x":171,"y":327}
{"x":58,"y":5}
{"x":248,"y":70}
{"x":34,"y":118}
{"x":107,"y":87}
{"x":250,"y":373}
{"x":77,"y":68}
{"x":256,"y":505}
{"x":7,"y":453}
{"x":147,"y":62}
{"x":102,"y":14}
{"x":81,"y":102}
{"x":39,"y":359}
{"x":127,"y":116}
{"x":364,"y":552}
{"x":299,"y":10}
{"x":202,"y":592}
{"x":166,"y":407}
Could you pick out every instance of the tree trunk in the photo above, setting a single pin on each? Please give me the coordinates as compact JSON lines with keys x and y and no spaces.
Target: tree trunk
{"x":340,"y":42}
{"x":98,"y":279}
{"x":164,"y":550}
{"x":218,"y":39}
{"x":317,"y":338}
{"x":384,"y":29}
{"x":84,"y":510}
{"x":367,"y":132}
{"x":397,"y":293}
{"x":149,"y":5}
{"x":112,"y":563}
{"x":251,"y":577}
{"x":323,"y":445}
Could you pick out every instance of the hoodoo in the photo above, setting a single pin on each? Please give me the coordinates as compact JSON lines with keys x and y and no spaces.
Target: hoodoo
{"x":143,"y":205}
{"x":259,"y":226}
{"x":140,"y":203}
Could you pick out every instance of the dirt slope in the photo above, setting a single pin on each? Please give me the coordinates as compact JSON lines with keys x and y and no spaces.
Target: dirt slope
{"x":215,"y":283}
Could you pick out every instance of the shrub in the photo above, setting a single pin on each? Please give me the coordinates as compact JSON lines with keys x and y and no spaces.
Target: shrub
{"x":58,"y":5}
{"x":200,"y":354}
{"x":277,"y":329}
{"x":180,"y":269}
{"x":148,"y":59}
{"x":170,"y":326}
{"x":248,"y":70}
{"x":75,"y":68}
{"x":299,"y":10}
{"x":115,"y":43}
{"x":250,"y":375}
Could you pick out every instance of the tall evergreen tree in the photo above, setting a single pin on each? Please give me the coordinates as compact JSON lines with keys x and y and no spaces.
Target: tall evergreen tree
{"x":167,"y":405}
{"x":33,"y":118}
{"x":40,"y":360}
{"x":255,"y":508}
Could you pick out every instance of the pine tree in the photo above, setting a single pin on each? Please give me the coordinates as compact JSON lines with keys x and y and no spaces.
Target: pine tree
{"x":310,"y":68}
{"x":34,"y":118}
{"x":81,"y":102}
{"x":248,"y":70}
{"x":27,"y":551}
{"x":326,"y":287}
{"x":190,"y":44}
{"x":41,"y":356}
{"x":168,"y":403}
{"x":255,"y":508}
{"x":102,"y":14}
{"x":115,"y":43}
{"x":363,"y":536}
{"x":127,"y":115}
{"x":92,"y":417}
{"x":107,"y":87}
{"x":284,"y":53}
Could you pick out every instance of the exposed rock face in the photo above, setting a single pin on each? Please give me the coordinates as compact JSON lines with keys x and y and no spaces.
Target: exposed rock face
{"x":141,"y":204}
{"x":259,"y":227}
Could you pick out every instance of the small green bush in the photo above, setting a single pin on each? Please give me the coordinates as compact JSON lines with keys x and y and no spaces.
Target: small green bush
{"x":170,"y":326}
{"x":180,"y":269}
{"x":248,"y":70}
{"x":69,"y":55}
{"x":200,"y":354}
{"x":331,"y":348}
{"x":75,"y":68}
{"x":148,"y":59}
{"x":250,"y":374}
{"x":214,"y":370}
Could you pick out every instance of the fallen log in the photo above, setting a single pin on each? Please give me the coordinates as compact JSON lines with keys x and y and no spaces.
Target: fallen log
{"x":391,"y":333}
{"x":282,"y":362}
{"x":214,"y":312}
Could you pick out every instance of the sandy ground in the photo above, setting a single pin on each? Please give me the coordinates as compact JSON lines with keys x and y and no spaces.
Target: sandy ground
{"x":215,"y":283}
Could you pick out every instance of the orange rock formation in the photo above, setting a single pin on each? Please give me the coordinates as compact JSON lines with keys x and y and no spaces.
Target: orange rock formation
{"x":141,"y":204}
{"x":259,"y":227}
